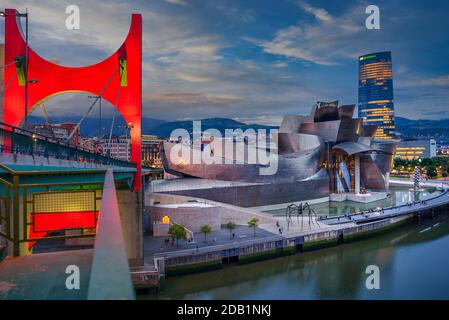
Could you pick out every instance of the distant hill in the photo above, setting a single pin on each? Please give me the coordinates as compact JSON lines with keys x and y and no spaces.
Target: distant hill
{"x":436,"y":129}
{"x":165,"y":129}
{"x":90,"y":125}
{"x":151,"y":126}
{"x":423,"y":123}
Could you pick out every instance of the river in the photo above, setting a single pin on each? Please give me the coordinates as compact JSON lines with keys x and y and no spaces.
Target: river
{"x":413,"y":262}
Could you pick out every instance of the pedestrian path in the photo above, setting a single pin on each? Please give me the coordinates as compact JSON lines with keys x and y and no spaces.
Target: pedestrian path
{"x":390,"y":212}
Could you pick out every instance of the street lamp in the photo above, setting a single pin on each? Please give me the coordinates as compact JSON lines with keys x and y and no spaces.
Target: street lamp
{"x":129,"y":126}
{"x":99,"y":124}
{"x":22,"y":15}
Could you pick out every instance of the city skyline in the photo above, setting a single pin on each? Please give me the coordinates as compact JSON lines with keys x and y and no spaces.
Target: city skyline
{"x":252,"y":61}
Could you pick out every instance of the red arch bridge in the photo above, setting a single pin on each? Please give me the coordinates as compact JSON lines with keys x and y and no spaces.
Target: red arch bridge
{"x":55,"y":191}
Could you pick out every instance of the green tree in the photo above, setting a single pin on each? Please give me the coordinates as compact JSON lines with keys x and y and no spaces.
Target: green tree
{"x":206,"y":229}
{"x":177,"y":232}
{"x":230,"y":226}
{"x":253,"y":223}
{"x":432,"y":171}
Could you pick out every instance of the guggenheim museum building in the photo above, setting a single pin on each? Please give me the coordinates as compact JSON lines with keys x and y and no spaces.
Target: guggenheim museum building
{"x":326,"y":155}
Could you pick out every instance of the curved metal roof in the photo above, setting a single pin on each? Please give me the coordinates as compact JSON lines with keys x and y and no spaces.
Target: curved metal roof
{"x":352,"y":148}
{"x":369,"y":130}
{"x":346,"y":111}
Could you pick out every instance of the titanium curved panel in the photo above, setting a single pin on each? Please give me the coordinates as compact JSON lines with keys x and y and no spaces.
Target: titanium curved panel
{"x":346,"y":111}
{"x":370,"y":174}
{"x":291,"y":123}
{"x":328,"y":130}
{"x":384,"y":160}
{"x":351,"y":148}
{"x":296,"y":142}
{"x":368,"y":130}
{"x":366,"y":141}
{"x":326,"y":113}
{"x":334,"y":131}
{"x":349,"y":130}
{"x":289,"y":168}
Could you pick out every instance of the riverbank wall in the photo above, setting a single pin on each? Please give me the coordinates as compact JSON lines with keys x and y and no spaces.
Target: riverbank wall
{"x":211,"y":258}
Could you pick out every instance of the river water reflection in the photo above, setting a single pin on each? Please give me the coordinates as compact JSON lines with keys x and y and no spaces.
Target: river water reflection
{"x":413,"y":262}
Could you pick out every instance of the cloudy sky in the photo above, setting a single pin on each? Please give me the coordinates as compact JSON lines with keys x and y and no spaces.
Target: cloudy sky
{"x":252,"y":60}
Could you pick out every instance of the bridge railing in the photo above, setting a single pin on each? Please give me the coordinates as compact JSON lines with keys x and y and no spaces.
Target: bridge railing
{"x":21,"y":141}
{"x":110,"y":277}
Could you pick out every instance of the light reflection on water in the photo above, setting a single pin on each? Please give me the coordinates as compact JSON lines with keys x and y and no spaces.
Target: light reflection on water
{"x":413,"y":262}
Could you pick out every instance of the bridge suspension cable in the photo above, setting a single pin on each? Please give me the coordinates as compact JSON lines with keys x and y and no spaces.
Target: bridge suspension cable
{"x":113,"y":116}
{"x":7,"y":85}
{"x":92,"y":105}
{"x":9,"y":64}
{"x":44,"y":110}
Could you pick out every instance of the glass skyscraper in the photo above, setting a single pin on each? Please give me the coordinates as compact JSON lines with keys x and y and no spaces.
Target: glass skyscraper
{"x":376,"y":102}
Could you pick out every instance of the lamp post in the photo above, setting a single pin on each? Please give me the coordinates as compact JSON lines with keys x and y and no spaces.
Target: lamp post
{"x":99,"y":124}
{"x":23,"y":15}
{"x":129,"y":126}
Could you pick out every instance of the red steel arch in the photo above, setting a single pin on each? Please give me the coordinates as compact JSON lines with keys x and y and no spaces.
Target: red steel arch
{"x":53,"y":79}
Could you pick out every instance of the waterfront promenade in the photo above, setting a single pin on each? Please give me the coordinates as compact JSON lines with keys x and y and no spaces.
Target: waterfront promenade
{"x":221,"y":238}
{"x":427,"y":183}
{"x":320,"y":232}
{"x":390,"y":212}
{"x":43,"y":276}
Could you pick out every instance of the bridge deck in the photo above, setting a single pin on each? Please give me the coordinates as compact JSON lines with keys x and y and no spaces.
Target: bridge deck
{"x":42,"y":276}
{"x":41,"y":174}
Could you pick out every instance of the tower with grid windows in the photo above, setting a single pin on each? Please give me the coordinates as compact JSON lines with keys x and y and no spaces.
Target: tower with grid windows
{"x":376,"y":100}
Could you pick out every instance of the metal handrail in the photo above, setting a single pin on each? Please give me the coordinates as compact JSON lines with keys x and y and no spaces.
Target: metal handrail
{"x":28,"y":142}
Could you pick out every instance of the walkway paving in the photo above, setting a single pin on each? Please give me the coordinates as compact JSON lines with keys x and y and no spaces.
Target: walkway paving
{"x":297,"y":226}
{"x":426,"y":183}
{"x":269,"y":228}
{"x":157,"y":245}
{"x":270,"y":232}
{"x":390,"y":212}
{"x":42,"y":276}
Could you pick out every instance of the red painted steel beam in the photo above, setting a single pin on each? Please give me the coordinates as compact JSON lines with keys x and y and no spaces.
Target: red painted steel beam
{"x":55,"y":79}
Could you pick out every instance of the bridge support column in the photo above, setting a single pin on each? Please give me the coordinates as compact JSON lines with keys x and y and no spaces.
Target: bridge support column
{"x":19,"y":218}
{"x":130,"y":206}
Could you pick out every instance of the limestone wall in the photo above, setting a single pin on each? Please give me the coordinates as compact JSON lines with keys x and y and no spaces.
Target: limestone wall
{"x":190,"y":217}
{"x":193,"y":217}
